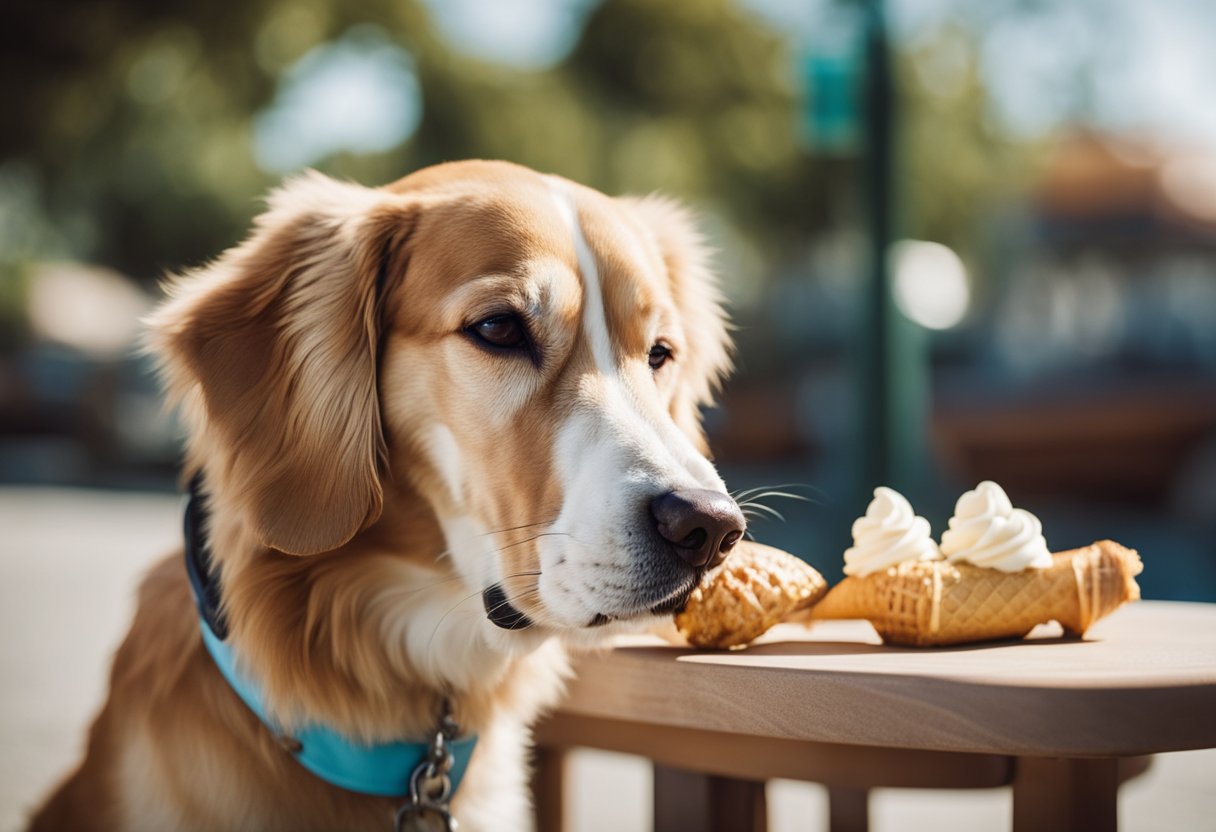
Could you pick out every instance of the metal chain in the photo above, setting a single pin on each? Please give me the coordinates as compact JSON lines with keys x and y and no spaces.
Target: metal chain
{"x":431,"y":783}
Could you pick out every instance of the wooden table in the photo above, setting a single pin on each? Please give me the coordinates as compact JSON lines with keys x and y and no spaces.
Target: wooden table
{"x":1062,"y":720}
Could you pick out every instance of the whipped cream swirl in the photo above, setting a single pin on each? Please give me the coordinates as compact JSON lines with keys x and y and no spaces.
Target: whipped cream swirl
{"x":888,"y":534}
{"x":988,"y":531}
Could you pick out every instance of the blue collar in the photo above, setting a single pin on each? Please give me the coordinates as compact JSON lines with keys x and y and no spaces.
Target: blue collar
{"x":382,"y":769}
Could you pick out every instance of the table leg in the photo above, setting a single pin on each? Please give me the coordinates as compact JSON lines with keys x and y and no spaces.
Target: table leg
{"x":848,"y":809}
{"x":548,"y":788}
{"x":687,"y":801}
{"x":1051,"y":794}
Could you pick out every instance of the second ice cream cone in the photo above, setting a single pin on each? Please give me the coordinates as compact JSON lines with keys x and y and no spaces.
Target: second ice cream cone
{"x":929,"y":603}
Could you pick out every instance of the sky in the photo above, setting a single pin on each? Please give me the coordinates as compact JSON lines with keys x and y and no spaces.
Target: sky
{"x":529,"y":34}
{"x":357,"y":94}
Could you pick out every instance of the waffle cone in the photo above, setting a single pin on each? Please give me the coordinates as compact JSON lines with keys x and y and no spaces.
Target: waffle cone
{"x":927,"y":603}
{"x":755,"y":587}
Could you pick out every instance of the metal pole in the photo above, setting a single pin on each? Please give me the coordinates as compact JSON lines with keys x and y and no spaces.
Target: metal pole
{"x":893,"y":360}
{"x":875,"y":401}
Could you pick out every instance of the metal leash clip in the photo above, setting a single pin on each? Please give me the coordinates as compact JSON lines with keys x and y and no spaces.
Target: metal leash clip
{"x":427,"y":810}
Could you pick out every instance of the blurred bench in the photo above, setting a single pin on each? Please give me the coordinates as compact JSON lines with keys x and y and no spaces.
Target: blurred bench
{"x":1063,"y":721}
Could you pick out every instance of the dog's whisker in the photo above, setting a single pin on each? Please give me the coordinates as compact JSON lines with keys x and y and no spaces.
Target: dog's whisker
{"x":756,"y":499}
{"x":515,"y":528}
{"x":433,"y":585}
{"x":758,"y":518}
{"x":544,"y":534}
{"x":773,"y":490}
{"x":530,"y":539}
{"x":760,"y":507}
{"x":743,"y":492}
{"x":527,"y":592}
{"x":783,"y":494}
{"x":755,"y":504}
{"x":526,"y":595}
{"x":531,"y":573}
{"x":490,"y":612}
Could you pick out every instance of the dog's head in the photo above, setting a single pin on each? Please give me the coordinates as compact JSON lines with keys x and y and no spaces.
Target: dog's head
{"x":524,"y":356}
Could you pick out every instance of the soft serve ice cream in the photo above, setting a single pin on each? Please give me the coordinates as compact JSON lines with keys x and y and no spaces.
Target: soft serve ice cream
{"x":996,"y":581}
{"x":888,"y":534}
{"x":988,"y":531}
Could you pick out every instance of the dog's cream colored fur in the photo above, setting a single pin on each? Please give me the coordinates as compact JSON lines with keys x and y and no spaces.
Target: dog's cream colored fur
{"x":371,"y":469}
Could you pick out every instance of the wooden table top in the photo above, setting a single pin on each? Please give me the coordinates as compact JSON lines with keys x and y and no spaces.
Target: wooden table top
{"x":1142,"y":681}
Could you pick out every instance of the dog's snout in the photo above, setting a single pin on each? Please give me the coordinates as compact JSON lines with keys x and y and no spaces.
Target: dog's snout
{"x":701,"y":525}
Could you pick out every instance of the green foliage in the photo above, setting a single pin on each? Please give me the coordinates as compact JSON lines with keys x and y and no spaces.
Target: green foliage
{"x":955,"y":165}
{"x":137,"y":117}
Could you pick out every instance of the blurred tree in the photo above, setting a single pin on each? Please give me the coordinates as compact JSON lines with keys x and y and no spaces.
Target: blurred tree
{"x":134,"y":116}
{"x":956,"y":166}
{"x":699,"y":99}
{"x":137,"y":117}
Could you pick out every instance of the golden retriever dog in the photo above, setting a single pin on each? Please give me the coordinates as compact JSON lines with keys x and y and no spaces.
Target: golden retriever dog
{"x":439,"y":432}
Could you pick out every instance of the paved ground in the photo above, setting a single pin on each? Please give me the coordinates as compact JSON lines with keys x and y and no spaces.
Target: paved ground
{"x":69,"y":561}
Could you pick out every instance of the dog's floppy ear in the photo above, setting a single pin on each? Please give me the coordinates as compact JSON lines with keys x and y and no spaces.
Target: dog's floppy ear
{"x":273,"y":350}
{"x":706,"y":358}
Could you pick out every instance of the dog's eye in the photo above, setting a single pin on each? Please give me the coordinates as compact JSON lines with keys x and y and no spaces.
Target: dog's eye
{"x":659,"y":354}
{"x":503,"y":331}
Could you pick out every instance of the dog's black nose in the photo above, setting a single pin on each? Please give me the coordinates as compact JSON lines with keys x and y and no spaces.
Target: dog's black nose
{"x":702,"y":526}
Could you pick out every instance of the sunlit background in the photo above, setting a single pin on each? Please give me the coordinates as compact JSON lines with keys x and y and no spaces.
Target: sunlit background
{"x":1028,"y":295}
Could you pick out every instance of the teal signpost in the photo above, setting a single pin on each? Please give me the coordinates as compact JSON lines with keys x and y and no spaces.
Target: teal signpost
{"x":851,"y":110}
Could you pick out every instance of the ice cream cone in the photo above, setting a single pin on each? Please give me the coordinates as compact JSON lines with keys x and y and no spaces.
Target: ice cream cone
{"x":927,"y":603}
{"x":756,"y":587}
